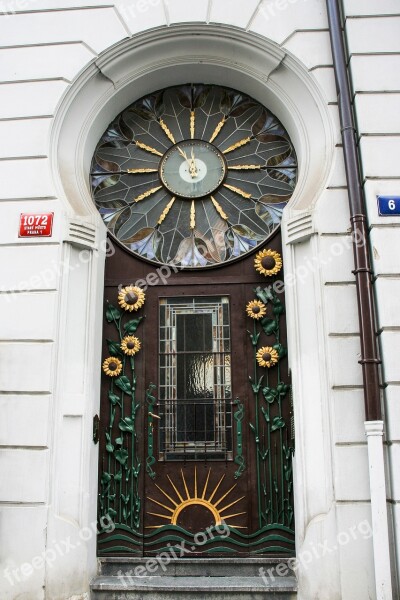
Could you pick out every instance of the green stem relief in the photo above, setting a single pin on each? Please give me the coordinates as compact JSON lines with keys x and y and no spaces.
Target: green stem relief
{"x":120,"y":481}
{"x":273,"y":454}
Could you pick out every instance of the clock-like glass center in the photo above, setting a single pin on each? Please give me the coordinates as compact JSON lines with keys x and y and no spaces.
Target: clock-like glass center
{"x":192,"y":169}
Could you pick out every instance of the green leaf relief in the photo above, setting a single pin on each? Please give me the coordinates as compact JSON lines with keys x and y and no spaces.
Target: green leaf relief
{"x":118,"y":476}
{"x":114,"y":348}
{"x":114,"y":399}
{"x":256,"y":386}
{"x":121,"y":456}
{"x":269,"y":326}
{"x":123,"y":383}
{"x":277,"y":423}
{"x":270,"y":394}
{"x":280,"y":350}
{"x":254,"y":338}
{"x":131,"y":326}
{"x":264,"y":295}
{"x":105,"y":478}
{"x":126,"y":424}
{"x":112,"y":313}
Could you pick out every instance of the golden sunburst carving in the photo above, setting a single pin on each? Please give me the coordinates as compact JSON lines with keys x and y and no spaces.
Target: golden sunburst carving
{"x":181,"y":498}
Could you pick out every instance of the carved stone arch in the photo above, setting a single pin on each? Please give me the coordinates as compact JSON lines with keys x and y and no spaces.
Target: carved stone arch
{"x":168,"y":56}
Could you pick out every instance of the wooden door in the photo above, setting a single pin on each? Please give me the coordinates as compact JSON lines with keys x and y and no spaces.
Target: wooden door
{"x":196,"y":436}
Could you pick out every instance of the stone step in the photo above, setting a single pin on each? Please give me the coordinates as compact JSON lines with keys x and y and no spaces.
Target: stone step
{"x":193,"y":588}
{"x":194,"y":567}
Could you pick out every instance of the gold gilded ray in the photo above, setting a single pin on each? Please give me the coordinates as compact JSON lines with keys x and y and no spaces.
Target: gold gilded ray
{"x":192,"y":216}
{"x":148,"y":148}
{"x":237,"y":145}
{"x":147,"y":194}
{"x":237,"y":190}
{"x":167,"y":132}
{"x":245,"y":167}
{"x":166,"y":211}
{"x":136,"y":171}
{"x":218,"y":208}
{"x":217,"y":129}
{"x":174,"y":507}
{"x":192,"y":123}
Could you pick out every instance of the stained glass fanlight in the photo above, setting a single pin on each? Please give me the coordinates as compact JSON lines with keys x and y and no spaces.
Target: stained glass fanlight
{"x":193,"y":176}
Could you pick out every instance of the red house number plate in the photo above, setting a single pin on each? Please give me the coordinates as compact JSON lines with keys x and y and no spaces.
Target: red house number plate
{"x":33,"y":225}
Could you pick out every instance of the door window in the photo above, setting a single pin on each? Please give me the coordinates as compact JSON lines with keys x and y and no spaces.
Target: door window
{"x":195,"y":379}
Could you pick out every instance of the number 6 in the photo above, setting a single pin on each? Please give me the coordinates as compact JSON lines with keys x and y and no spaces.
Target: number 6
{"x":392,"y":204}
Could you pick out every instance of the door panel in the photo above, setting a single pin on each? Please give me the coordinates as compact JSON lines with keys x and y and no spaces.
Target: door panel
{"x":193,"y":487}
{"x":206,"y":429}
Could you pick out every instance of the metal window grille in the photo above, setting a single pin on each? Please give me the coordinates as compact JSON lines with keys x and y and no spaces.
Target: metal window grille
{"x":195,"y":379}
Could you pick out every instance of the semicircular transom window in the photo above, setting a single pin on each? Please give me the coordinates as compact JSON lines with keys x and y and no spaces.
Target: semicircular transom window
{"x":194,"y":176}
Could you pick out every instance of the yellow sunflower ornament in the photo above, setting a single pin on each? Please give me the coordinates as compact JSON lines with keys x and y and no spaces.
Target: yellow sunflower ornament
{"x":130,"y":345}
{"x":131,"y":298}
{"x":267,"y":356}
{"x":112,"y":366}
{"x":268,"y":262}
{"x":256,"y":309}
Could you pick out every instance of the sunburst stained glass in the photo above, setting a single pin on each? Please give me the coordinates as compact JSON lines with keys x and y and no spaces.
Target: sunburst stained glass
{"x":193,"y":176}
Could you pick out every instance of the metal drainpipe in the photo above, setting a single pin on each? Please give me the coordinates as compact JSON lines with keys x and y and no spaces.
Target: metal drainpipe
{"x":366,"y":312}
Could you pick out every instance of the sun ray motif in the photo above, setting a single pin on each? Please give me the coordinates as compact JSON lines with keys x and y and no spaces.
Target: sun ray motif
{"x":205,"y":485}
{"x":216,"y":488}
{"x":196,"y":497}
{"x":148,"y":148}
{"x":217,"y":129}
{"x":275,"y":176}
{"x":167,"y":132}
{"x":192,"y":123}
{"x":245,"y":167}
{"x":237,"y":190}
{"x":147,"y":194}
{"x":162,"y":505}
{"x":166,"y":211}
{"x":237,"y":145}
{"x":218,"y":208}
{"x":184,"y":483}
{"x":177,"y":493}
{"x":192,"y":216}
{"x":136,"y":171}
{"x":166,"y":495}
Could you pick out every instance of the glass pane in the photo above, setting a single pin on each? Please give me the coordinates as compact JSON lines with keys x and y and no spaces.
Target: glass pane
{"x":194,"y":380}
{"x":250,"y":153}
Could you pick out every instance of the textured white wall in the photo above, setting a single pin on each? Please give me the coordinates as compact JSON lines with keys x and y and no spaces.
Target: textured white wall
{"x":373,"y":34}
{"x":49,"y":367}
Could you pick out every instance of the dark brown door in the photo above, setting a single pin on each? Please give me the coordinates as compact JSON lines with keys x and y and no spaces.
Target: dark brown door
{"x":196,"y":435}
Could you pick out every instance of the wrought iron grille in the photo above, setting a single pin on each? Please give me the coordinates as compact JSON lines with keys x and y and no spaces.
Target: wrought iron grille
{"x":195,"y":379}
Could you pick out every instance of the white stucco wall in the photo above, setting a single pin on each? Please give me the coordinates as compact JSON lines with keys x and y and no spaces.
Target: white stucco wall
{"x":374,"y":48}
{"x":50,"y":293}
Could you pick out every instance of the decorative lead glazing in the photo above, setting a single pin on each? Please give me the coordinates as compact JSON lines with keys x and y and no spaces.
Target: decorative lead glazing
{"x":194,"y":176}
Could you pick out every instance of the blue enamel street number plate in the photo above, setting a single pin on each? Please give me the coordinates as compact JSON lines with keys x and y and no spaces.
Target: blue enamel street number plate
{"x":388,"y":205}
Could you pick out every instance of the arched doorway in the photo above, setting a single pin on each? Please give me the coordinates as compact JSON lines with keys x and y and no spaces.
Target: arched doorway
{"x":165,"y":56}
{"x":196,"y":435}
